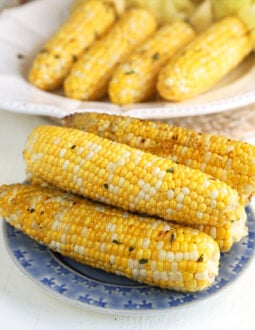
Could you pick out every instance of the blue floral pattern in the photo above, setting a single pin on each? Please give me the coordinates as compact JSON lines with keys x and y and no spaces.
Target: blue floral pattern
{"x":94,"y":289}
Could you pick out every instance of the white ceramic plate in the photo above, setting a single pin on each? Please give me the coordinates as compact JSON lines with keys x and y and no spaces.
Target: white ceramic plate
{"x":99,"y":291}
{"x":24,"y":29}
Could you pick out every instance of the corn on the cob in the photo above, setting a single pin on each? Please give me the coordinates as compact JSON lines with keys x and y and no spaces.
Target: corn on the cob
{"x":59,"y":53}
{"x":134,"y":80}
{"x":225,"y":235}
{"x":205,"y":61}
{"x":90,"y":75}
{"x":144,"y":249}
{"x":228,"y":160}
{"x":129,"y":178}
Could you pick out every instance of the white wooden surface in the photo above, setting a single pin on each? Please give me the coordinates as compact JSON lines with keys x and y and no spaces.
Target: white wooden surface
{"x":23,"y":305}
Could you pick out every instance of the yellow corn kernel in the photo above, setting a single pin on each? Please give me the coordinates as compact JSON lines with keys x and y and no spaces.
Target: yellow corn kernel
{"x":50,"y":153}
{"x":90,"y":75}
{"x":134,"y":80}
{"x":61,"y":51}
{"x":94,"y":235}
{"x":206,"y":60}
{"x":225,"y":235}
{"x":216,"y":155}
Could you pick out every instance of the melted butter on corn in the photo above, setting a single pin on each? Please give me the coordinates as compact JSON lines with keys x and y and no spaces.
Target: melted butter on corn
{"x":229,"y":160}
{"x":206,"y":60}
{"x":90,"y":75}
{"x":140,"y":248}
{"x":135,"y":79}
{"x":53,"y":63}
{"x":122,"y":176}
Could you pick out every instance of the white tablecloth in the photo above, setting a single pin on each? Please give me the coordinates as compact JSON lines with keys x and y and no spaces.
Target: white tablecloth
{"x":23,"y":305}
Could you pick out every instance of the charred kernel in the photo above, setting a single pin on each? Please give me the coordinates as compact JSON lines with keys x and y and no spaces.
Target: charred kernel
{"x":172,"y":238}
{"x":74,"y":58}
{"x":201,"y":258}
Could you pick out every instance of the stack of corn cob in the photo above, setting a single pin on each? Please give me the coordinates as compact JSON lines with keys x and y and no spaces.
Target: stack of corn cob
{"x":123,"y":195}
{"x":141,"y":199}
{"x":131,"y":58}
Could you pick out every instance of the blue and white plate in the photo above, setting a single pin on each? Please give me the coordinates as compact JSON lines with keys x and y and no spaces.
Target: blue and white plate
{"x":103,"y":292}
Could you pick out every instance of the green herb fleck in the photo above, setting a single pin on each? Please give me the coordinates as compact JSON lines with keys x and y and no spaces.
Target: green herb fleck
{"x":131,"y":248}
{"x":143,"y":261}
{"x":130,"y":72}
{"x":170,"y":170}
{"x":74,"y":146}
{"x":31,"y":210}
{"x":155,"y":56}
{"x":106,"y":186}
{"x":115,"y":241}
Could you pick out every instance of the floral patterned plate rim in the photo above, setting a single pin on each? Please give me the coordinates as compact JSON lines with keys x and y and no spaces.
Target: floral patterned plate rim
{"x":22,"y":36}
{"x":96,"y":290}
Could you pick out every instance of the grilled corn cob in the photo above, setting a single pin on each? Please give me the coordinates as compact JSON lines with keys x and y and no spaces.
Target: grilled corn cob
{"x":225,"y":235}
{"x":125,"y":177}
{"x":90,"y":75}
{"x":206,"y":60}
{"x":59,"y":53}
{"x":144,"y":249}
{"x":231,"y":161}
{"x":135,"y":79}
